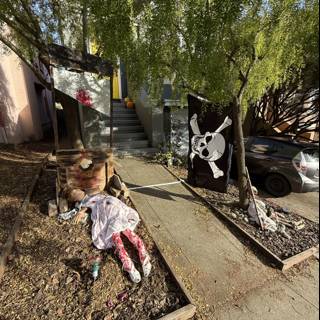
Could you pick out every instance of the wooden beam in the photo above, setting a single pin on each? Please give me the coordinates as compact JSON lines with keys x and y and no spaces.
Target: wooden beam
{"x":54,"y":112}
{"x":189,"y":310}
{"x":289,"y":262}
{"x":111,"y":112}
{"x":174,"y":274}
{"x":254,"y":199}
{"x":282,"y":264}
{"x":183,"y":313}
{"x":78,"y":61}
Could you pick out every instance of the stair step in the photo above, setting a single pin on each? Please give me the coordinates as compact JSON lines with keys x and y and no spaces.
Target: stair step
{"x":127,"y":137}
{"x":128,"y":116}
{"x":118,"y":104}
{"x":130,"y":136}
{"x":127,"y":129}
{"x":143,"y":152}
{"x":123,"y":111}
{"x":132,"y":144}
{"x":125,"y":122}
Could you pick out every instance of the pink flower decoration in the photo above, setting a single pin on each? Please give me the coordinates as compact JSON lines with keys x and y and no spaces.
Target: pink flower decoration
{"x":83,"y":96}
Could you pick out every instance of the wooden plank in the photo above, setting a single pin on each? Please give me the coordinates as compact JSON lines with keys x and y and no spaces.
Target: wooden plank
{"x":183,"y":313}
{"x":111,"y":111}
{"x":174,"y":274}
{"x":289,"y":262}
{"x":9,"y":244}
{"x":254,"y":199}
{"x":80,"y":61}
{"x":54,"y":112}
{"x":76,"y":151}
{"x":283,"y":264}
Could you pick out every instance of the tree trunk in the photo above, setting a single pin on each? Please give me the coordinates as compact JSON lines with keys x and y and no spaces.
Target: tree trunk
{"x":241,"y":164}
{"x":84,"y":28}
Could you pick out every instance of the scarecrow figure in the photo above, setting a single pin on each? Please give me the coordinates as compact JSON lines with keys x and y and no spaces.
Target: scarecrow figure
{"x":210,"y":146}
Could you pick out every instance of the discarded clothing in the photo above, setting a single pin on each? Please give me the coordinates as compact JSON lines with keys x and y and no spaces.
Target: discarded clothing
{"x":71,"y":213}
{"x":109,"y":215}
{"x":267,"y":223}
{"x":68,"y":214}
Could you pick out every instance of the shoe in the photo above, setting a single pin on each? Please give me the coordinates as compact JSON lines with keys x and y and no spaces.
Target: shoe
{"x":146,"y":266}
{"x":134,"y":275}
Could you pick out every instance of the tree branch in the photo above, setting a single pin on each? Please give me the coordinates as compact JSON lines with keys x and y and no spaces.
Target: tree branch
{"x":31,"y":16}
{"x":21,"y":56}
{"x":12,"y":25}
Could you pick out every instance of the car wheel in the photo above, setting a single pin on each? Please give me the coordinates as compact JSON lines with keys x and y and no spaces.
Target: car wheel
{"x":277,"y":185}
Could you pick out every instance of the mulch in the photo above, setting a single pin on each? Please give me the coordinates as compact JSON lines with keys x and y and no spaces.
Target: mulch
{"x":17,"y":168}
{"x":300,"y":240}
{"x":49,"y":272}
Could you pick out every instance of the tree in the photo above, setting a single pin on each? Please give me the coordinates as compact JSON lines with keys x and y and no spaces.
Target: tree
{"x":295,"y":111}
{"x":30,"y":27}
{"x":228,"y":51}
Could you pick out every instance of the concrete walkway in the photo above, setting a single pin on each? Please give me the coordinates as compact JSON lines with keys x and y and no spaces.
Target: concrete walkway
{"x":223,"y":276}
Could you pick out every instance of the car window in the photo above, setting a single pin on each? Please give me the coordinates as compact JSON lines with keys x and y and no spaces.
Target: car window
{"x":286,"y":150}
{"x":261,"y":145}
{"x":311,"y":155}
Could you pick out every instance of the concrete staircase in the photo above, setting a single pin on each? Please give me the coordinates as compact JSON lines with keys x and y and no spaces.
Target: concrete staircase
{"x":129,"y":137}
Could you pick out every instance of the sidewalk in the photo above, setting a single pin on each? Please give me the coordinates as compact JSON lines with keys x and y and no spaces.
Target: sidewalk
{"x":223,"y":276}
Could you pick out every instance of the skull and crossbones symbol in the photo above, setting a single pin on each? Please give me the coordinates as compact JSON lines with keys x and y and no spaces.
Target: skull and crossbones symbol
{"x":210,"y":146}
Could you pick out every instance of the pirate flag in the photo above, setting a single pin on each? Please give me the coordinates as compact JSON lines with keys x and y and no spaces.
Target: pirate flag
{"x":210,"y":147}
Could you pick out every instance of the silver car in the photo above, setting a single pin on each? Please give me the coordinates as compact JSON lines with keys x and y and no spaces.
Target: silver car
{"x":283,"y":164}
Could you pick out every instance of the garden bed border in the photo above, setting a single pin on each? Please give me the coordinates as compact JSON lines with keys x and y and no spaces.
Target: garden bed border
{"x":187,"y":311}
{"x":284,"y":264}
{"x":11,"y":239}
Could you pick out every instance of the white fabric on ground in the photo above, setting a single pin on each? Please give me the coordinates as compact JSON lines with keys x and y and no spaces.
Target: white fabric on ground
{"x":109,"y":215}
{"x":267,"y":222}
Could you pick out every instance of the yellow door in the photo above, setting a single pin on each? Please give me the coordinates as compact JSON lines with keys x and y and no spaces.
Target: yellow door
{"x":115,"y":84}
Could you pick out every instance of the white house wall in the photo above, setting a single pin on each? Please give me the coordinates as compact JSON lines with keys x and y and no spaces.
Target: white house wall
{"x":70,"y":82}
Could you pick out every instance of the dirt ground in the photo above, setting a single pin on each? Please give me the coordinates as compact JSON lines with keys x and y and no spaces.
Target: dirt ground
{"x":305,"y":204}
{"x":17,"y":167}
{"x":299,"y":241}
{"x":49,"y":272}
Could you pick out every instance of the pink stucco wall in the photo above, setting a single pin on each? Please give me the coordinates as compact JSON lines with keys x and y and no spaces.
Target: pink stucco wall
{"x":20,"y":115}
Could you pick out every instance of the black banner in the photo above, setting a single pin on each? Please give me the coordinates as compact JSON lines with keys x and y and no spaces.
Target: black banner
{"x":210,"y":145}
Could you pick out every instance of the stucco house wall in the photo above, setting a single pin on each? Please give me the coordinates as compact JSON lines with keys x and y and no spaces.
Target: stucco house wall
{"x":151,"y":112}
{"x":24,"y":106}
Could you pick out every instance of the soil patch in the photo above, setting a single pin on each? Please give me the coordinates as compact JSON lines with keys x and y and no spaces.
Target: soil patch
{"x":18,"y":164}
{"x":49,"y":272}
{"x":300,"y":240}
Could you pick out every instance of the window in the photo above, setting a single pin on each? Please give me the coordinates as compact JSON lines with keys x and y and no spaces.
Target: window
{"x":311,"y":155}
{"x":262,"y":145}
{"x":286,"y":150}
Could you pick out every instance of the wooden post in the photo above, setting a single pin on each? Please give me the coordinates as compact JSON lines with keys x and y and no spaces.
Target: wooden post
{"x":253,"y":198}
{"x":54,"y":116}
{"x":80,"y":113}
{"x":111,"y":111}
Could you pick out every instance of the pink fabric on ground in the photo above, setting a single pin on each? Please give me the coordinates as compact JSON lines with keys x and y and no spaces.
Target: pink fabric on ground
{"x":121,"y":252}
{"x":138,"y":244}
